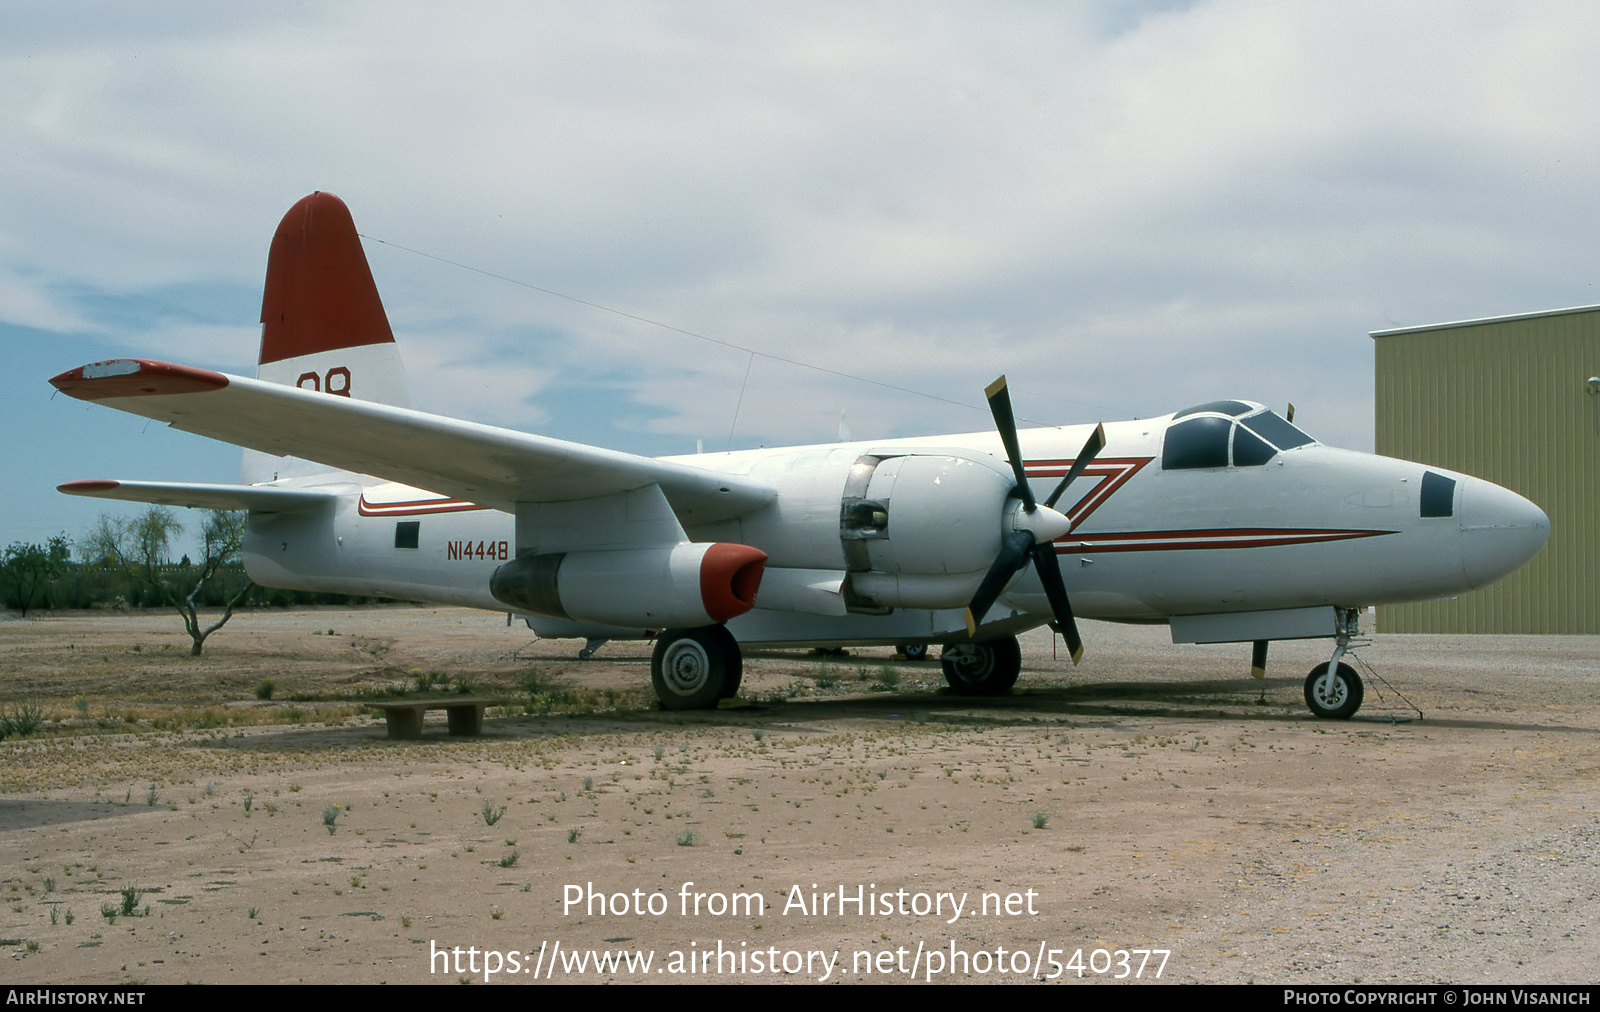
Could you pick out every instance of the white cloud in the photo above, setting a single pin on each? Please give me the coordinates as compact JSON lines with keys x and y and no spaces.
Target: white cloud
{"x":24,"y":302}
{"x":1125,"y":207}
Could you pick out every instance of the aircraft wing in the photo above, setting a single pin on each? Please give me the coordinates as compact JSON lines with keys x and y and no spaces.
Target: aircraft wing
{"x":493,"y":467}
{"x":204,"y":496}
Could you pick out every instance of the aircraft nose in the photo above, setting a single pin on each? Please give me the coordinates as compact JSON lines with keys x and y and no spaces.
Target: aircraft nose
{"x":1500,"y":531}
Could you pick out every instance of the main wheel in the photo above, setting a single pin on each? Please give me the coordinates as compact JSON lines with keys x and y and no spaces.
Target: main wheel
{"x":915,"y":651}
{"x":1339,"y":702}
{"x":693,"y":668}
{"x":730,"y":685}
{"x":982,"y":669}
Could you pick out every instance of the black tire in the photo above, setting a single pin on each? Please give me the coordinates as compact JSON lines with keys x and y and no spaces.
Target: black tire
{"x":982,"y":669}
{"x":1343,"y":701}
{"x":915,"y":651}
{"x":693,"y":668}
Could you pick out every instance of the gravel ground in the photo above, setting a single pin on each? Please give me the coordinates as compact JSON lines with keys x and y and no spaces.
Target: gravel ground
{"x":1154,"y":798}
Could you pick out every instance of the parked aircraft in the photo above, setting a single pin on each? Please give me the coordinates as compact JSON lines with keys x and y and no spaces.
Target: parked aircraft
{"x":1224,"y":520}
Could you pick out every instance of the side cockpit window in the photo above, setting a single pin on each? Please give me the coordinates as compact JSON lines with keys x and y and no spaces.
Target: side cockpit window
{"x":1227,"y":432}
{"x":1197,"y":442}
{"x":1250,"y":450}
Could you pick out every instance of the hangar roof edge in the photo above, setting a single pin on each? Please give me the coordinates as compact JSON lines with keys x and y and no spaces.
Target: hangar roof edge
{"x":1478,"y":322}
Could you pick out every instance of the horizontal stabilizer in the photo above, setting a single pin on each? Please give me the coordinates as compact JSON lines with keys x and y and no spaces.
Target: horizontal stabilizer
{"x":493,"y":467}
{"x":214,"y":497}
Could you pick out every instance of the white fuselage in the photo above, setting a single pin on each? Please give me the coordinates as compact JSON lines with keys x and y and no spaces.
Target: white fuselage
{"x":1312,"y":526}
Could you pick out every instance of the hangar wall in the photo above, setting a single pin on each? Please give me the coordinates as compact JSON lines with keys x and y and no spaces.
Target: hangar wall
{"x":1507,"y":399}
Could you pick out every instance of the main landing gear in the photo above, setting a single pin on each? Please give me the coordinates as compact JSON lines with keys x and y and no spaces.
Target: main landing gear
{"x":1333,"y":689}
{"x":692,"y":669}
{"x":982,"y":669}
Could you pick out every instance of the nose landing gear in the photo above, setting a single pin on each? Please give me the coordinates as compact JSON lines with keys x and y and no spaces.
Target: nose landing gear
{"x":1333,"y":689}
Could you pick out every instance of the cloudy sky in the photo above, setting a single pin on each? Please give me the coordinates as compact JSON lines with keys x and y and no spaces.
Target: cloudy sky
{"x":1127,"y":207}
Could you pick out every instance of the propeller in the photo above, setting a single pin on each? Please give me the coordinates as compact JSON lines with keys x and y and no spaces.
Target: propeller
{"x":1032,"y":527}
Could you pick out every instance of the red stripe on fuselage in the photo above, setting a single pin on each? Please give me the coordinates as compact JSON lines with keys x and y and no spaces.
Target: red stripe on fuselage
{"x":1196,"y":540}
{"x":1118,"y":469}
{"x":414,"y":507}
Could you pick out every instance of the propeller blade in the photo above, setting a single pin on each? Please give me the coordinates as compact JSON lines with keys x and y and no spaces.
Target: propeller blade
{"x":1055,"y":589}
{"x":1091,"y":449}
{"x":1021,"y":545}
{"x":1013,"y":556}
{"x":1006,"y":421}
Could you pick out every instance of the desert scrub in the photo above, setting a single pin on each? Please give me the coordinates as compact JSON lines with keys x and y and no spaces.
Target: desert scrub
{"x":330,"y":818}
{"x":20,"y":719}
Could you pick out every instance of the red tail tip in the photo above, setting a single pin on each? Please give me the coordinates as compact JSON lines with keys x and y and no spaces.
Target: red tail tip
{"x":319,"y":293}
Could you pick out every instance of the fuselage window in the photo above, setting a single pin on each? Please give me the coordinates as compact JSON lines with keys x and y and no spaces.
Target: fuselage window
{"x":406,"y":533}
{"x":1438,"y":495}
{"x":1199,"y":442}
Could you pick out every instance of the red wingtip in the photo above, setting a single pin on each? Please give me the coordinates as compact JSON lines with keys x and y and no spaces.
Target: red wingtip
{"x":319,"y":294}
{"x":87,"y":486}
{"x":135,"y":377}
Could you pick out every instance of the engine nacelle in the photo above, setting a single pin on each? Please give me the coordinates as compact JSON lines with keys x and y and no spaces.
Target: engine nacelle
{"x":678,"y":587}
{"x":920,"y":530}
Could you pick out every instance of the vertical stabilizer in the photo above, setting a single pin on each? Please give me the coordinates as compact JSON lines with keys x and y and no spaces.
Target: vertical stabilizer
{"x":323,"y":326}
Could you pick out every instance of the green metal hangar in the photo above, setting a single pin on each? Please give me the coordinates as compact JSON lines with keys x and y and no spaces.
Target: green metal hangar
{"x":1515,"y":400}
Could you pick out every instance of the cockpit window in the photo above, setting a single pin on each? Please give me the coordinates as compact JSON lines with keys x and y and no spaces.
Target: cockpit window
{"x":1271,"y":427}
{"x":1234,"y":408}
{"x":1249,"y":451}
{"x":1199,"y":442}
{"x":1205,"y":441}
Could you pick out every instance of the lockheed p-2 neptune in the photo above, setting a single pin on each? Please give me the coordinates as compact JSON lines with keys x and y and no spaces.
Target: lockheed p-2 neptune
{"x":1224,"y":520}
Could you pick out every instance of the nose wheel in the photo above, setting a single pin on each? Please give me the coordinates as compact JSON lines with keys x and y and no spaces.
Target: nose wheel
{"x":1337,"y":697}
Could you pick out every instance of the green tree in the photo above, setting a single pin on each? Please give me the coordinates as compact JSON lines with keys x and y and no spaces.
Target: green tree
{"x":138,"y":548}
{"x":26,"y":570}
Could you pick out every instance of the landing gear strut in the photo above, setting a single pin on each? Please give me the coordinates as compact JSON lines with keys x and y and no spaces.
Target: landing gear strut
{"x":692,"y":669}
{"x":1333,"y":689}
{"x":982,"y":669}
